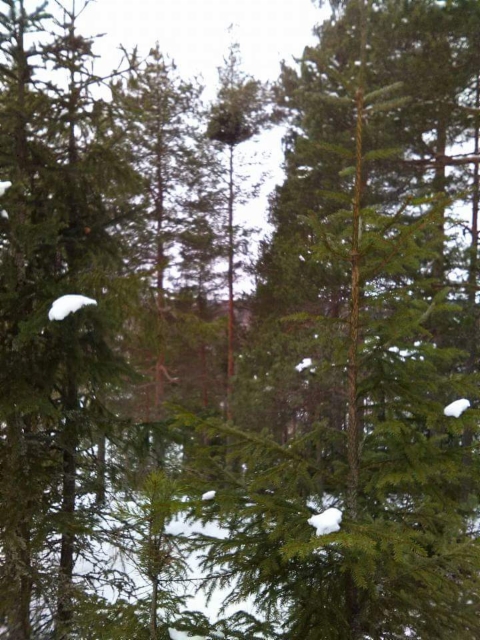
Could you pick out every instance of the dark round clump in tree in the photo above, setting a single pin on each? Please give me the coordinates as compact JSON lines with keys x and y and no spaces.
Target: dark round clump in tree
{"x":228,"y":125}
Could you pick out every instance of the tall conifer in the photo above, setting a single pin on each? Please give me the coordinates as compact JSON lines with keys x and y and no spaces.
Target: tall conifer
{"x":375,"y":442}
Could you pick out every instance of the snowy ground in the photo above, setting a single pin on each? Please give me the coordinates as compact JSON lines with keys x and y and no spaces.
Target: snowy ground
{"x":125,"y":562}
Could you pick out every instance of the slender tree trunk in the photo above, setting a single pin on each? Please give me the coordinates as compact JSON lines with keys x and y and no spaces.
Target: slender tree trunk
{"x":160,"y":363}
{"x":204,"y":374}
{"x":472,"y":272}
{"x":354,"y":427}
{"x":231,"y":274}
{"x":153,"y":611}
{"x":153,"y":575}
{"x":17,"y":544}
{"x":67,"y":548}
{"x":21,"y":148}
{"x":160,"y":271}
{"x":101,"y":468}
{"x":467,"y":438}
{"x":439,"y":185}
{"x":17,"y":550}
{"x":70,"y":435}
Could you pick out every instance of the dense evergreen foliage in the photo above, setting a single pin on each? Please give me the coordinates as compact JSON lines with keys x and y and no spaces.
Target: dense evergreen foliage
{"x":169,"y":408}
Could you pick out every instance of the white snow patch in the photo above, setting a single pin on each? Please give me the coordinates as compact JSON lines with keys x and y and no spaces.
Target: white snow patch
{"x":304,"y":364}
{"x":65,"y":305}
{"x":209,"y":495}
{"x":455,"y":409}
{"x":407,"y":353}
{"x":4,"y":186}
{"x":326,"y":522}
{"x":183,"y":635}
{"x":4,"y":214}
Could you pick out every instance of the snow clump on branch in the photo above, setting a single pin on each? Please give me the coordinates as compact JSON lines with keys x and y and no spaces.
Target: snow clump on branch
{"x":304,"y":364}
{"x":455,"y":409}
{"x":327,"y":522}
{"x":4,"y":186}
{"x":65,"y":305}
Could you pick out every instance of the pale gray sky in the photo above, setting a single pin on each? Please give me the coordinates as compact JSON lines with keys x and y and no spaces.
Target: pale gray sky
{"x":195,"y":32}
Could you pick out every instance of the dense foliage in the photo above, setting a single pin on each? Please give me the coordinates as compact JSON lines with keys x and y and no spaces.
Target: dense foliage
{"x":325,"y":388}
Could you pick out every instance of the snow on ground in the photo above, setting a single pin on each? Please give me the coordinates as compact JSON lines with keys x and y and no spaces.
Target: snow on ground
{"x":455,"y":409}
{"x":125,"y":561}
{"x":65,"y":305}
{"x":326,"y":522}
{"x":209,"y":495}
{"x":197,"y":597}
{"x":304,"y":364}
{"x":197,"y":601}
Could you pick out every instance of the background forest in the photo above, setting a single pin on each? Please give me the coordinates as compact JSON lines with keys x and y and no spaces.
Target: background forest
{"x":291,"y":443}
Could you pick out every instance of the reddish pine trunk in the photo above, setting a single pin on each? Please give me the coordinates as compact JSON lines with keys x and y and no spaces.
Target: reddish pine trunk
{"x":231,"y":308}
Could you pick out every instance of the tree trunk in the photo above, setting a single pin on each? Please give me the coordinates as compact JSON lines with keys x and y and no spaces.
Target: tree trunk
{"x":153,"y":611}
{"x":70,"y":436}
{"x":17,"y":546}
{"x":473,"y":266}
{"x":101,"y":468}
{"x":67,"y":548}
{"x":354,"y":423}
{"x":160,"y":275}
{"x":17,"y":554}
{"x":231,"y":308}
{"x":439,"y":185}
{"x":21,"y":147}
{"x":354,"y":426}
{"x":467,"y":438}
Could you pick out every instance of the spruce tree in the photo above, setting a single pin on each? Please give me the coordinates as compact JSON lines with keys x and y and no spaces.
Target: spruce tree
{"x":26,"y":413}
{"x":58,"y":154}
{"x":373,"y":438}
{"x":90,"y":179}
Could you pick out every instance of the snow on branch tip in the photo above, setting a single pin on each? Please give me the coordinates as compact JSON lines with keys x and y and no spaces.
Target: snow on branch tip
{"x":326,"y":522}
{"x":455,"y":409}
{"x":65,"y":305}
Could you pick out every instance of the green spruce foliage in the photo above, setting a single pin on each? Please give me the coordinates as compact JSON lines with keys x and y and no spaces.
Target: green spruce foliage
{"x":362,"y":328}
{"x":340,"y":399}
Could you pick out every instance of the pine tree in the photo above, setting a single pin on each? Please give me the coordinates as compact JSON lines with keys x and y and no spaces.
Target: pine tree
{"x":177,"y":234}
{"x":160,"y":110}
{"x":238,"y":114}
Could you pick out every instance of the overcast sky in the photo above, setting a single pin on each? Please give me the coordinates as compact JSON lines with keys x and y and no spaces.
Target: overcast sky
{"x":196,"y":34}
